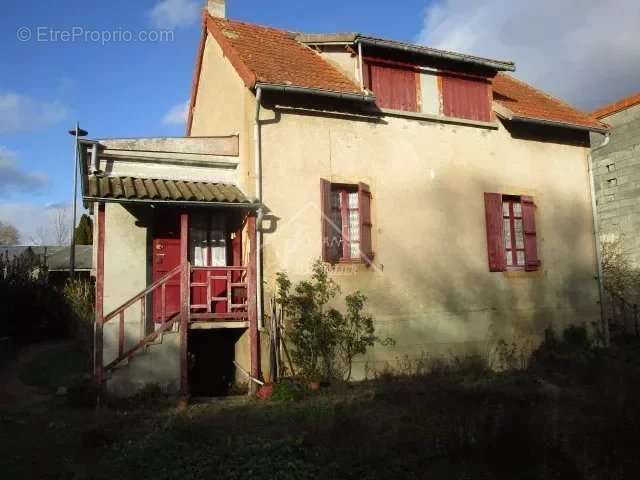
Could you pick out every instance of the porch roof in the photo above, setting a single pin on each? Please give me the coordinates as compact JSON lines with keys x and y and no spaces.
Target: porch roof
{"x":131,"y":189}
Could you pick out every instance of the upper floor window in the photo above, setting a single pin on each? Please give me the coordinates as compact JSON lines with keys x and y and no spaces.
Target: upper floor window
{"x":511,"y":232}
{"x":346,"y":222}
{"x":407,"y":87}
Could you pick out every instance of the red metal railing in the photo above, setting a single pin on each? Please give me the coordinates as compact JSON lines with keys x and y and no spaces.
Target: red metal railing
{"x":219,"y":293}
{"x":141,"y":298}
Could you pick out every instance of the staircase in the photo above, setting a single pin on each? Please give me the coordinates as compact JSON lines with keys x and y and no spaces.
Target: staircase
{"x":133,"y":357}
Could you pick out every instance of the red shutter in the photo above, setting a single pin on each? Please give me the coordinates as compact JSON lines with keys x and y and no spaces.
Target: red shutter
{"x":395,"y":87}
{"x":325,"y":218}
{"x":464,"y":97}
{"x":529,"y":226}
{"x":495,"y":238}
{"x":364,"y":204}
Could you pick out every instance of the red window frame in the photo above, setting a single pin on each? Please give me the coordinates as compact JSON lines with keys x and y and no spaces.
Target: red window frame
{"x":512,"y":216}
{"x":505,"y":238}
{"x":342,"y":209}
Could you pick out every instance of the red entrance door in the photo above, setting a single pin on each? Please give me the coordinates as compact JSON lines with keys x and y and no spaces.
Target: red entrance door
{"x":166,"y":256}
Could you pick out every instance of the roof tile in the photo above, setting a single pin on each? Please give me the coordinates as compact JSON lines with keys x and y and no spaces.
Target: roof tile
{"x":269,"y":55}
{"x":617,"y":106}
{"x":274,"y":56}
{"x":130,"y":188}
{"x":529,"y":102}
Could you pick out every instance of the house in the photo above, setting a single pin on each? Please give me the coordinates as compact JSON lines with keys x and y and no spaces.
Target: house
{"x":616,"y":171}
{"x":455,"y":197}
{"x":54,"y":258}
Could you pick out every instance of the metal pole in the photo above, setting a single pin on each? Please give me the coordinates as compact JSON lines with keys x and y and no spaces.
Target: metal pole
{"x":72,"y":241}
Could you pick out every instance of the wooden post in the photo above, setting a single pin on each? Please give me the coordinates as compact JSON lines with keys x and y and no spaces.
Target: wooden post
{"x":184,"y":305}
{"x":252,"y":306}
{"x":99,"y":313}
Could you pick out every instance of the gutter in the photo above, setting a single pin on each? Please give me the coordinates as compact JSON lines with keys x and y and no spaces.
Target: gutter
{"x":432,"y":52}
{"x":173,"y":202}
{"x":506,"y":114}
{"x":596,"y":239}
{"x":357,"y":97}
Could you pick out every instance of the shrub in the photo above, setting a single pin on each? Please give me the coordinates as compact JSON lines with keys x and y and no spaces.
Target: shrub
{"x":325,"y":341}
{"x":30,"y":308}
{"x":79,"y":295}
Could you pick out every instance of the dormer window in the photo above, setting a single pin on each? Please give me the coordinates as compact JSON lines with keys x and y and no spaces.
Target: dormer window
{"x":410,"y":88}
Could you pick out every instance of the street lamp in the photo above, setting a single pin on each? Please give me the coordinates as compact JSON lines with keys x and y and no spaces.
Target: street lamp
{"x":77,"y":132}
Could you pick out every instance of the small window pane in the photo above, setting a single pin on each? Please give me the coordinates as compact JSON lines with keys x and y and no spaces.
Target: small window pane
{"x":353,"y":200}
{"x":507,"y":233}
{"x":354,"y":249}
{"x":508,"y":257}
{"x":335,"y":199}
{"x":505,"y":209}
{"x":517,"y":209}
{"x":517,"y":226}
{"x":520,"y":258}
{"x":354,"y":225}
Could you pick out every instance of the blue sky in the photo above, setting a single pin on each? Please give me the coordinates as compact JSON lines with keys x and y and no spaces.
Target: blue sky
{"x":122,"y":89}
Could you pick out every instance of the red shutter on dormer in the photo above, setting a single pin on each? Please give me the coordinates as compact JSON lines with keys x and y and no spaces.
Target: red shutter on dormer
{"x":364,"y":204}
{"x":325,"y":218}
{"x":395,"y":86}
{"x":495,"y":238}
{"x":465,"y":97}
{"x":530,"y":238}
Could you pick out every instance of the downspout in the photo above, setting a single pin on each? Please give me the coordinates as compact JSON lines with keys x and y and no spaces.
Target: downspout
{"x":596,"y":238}
{"x":258,"y":172}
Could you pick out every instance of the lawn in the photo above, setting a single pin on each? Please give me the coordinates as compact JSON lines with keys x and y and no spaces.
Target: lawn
{"x":56,"y":366}
{"x":570,"y":417}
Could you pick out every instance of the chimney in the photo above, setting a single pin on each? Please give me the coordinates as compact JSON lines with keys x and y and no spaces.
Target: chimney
{"x":216,"y":8}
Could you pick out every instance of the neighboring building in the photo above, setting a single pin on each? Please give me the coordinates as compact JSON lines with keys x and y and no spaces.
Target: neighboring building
{"x":454,"y":196}
{"x":616,"y":169}
{"x":55,"y":259}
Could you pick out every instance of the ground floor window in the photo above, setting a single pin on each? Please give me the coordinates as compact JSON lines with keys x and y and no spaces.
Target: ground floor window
{"x":208,"y":240}
{"x":511,"y":232}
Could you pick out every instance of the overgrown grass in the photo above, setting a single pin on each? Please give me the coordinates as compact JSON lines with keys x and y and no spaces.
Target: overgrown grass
{"x":466,"y":424}
{"x":61,"y":365}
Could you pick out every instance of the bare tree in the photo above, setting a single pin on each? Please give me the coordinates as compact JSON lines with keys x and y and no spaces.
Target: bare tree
{"x":56,"y":231}
{"x":8,"y":234}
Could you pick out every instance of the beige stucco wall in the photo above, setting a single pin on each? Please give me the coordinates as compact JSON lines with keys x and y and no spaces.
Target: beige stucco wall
{"x":125,"y":273}
{"x":224,"y":107}
{"x":429,"y":287}
{"x":346,"y":60}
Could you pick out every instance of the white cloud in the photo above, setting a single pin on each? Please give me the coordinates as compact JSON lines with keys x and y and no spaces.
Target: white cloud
{"x":40,"y":223}
{"x":584,"y":51}
{"x":28,"y":218}
{"x":177,"y":115}
{"x":175,"y":13}
{"x":14,"y":179}
{"x":19,"y":113}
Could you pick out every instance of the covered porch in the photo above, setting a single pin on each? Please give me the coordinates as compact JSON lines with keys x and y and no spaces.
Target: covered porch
{"x":198,"y":255}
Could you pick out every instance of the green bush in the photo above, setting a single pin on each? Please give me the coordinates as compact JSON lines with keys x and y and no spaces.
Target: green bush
{"x":288,"y":390}
{"x":79,"y":295}
{"x":325,"y":340}
{"x":31,"y":309}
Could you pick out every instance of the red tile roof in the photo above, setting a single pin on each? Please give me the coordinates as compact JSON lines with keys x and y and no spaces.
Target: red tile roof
{"x":528,"y":102}
{"x":268,"y":55}
{"x":617,"y":106}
